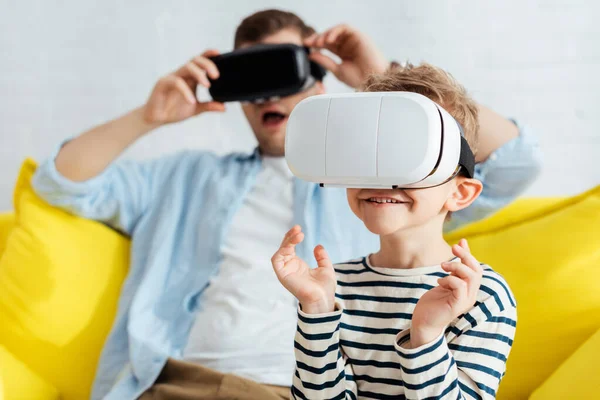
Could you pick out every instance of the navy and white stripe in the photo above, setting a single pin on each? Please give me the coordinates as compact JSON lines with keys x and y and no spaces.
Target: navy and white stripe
{"x":356,"y":351}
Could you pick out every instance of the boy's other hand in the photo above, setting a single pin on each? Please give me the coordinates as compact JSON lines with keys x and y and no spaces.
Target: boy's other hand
{"x":359,"y":55}
{"x":173,"y":98}
{"x":455,"y":295}
{"x":314,"y":288}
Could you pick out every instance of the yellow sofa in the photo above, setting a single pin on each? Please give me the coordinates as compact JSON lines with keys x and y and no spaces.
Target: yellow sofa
{"x":60,"y":278}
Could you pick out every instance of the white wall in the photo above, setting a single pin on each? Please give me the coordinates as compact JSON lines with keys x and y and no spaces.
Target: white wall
{"x":65,"y":66}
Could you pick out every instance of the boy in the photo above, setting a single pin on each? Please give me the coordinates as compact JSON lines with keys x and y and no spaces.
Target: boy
{"x":417,"y":319}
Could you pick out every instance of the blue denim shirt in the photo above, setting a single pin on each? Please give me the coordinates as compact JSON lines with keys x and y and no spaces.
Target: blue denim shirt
{"x":177,"y":210}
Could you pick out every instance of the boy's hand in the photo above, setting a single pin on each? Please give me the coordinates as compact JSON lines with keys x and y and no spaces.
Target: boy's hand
{"x":455,"y":295}
{"x":314,"y":288}
{"x":360,"y":57}
{"x":173,"y":98}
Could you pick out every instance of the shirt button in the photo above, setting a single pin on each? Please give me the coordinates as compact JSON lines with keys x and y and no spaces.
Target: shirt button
{"x":190,"y":302}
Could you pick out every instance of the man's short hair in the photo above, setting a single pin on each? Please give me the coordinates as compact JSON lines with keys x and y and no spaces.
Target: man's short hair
{"x":436,"y":84}
{"x":267,"y":22}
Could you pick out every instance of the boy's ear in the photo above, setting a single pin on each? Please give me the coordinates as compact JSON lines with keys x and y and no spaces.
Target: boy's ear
{"x":465,"y":193}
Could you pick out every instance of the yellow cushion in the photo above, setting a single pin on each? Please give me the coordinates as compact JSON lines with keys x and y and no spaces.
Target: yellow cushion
{"x":60,"y":278}
{"x":550,"y":258}
{"x":7,"y":221}
{"x":577,"y":378}
{"x":18,"y":382}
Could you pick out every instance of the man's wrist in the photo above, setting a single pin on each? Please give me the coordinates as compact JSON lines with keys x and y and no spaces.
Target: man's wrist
{"x":143,"y":124}
{"x":380,"y":68}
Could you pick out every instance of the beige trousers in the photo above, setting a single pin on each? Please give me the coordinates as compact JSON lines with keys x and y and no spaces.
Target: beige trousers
{"x":181,"y":380}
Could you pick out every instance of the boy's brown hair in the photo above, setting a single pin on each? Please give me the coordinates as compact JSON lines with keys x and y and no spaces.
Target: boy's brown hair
{"x":437,"y":85}
{"x":267,"y":22}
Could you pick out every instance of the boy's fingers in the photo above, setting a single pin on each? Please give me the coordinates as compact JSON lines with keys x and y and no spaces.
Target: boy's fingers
{"x":463,"y":243}
{"x":278,"y":260}
{"x":322,"y":257}
{"x":476,"y":265}
{"x":293,"y":240}
{"x":295,"y":229}
{"x":466,"y":257}
{"x":286,"y":249}
{"x":455,"y":284}
{"x":282,"y":253}
{"x":458,"y":269}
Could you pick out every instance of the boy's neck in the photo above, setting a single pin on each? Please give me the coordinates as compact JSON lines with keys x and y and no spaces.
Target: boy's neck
{"x":411,"y":248}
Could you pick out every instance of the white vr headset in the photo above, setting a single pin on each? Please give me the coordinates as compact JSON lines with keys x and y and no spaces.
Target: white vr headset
{"x":375,"y":140}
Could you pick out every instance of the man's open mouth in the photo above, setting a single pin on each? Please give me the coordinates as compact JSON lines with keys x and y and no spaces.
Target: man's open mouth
{"x":273,"y":118}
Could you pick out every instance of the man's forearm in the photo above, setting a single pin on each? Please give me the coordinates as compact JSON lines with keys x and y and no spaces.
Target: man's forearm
{"x":90,"y":153}
{"x":494,"y":132}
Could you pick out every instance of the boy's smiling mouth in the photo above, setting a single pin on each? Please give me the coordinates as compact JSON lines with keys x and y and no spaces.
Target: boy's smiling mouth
{"x":380,"y":198}
{"x":384,"y":200}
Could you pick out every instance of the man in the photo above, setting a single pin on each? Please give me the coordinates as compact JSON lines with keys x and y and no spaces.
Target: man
{"x":201,"y":313}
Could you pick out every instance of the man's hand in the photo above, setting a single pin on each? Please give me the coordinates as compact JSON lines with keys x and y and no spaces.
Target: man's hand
{"x":314,"y":288}
{"x":455,"y":295}
{"x":173,"y":98}
{"x":360,"y":57}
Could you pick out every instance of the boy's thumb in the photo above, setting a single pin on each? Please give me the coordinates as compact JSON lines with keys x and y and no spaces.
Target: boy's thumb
{"x":322,"y":257}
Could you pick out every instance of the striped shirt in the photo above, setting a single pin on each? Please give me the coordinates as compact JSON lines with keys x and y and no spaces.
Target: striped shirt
{"x":356,"y":351}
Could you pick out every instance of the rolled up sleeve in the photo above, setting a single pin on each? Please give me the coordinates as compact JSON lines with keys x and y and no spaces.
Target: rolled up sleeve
{"x":117,"y":197}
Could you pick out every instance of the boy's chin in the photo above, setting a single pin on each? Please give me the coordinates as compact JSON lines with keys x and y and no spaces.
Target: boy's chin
{"x":384,"y":228}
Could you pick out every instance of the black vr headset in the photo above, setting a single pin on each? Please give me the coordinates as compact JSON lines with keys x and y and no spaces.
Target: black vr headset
{"x":264,"y":72}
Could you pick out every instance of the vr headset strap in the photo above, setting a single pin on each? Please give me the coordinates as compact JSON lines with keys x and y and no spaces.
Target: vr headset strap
{"x":317,"y":71}
{"x":466,"y":159}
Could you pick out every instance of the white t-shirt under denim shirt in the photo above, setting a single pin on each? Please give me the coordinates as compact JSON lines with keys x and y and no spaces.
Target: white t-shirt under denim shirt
{"x":247,"y":319}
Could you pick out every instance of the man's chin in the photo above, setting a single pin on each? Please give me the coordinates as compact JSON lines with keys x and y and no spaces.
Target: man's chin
{"x":273,"y":131}
{"x":272,"y":149}
{"x":272,"y":144}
